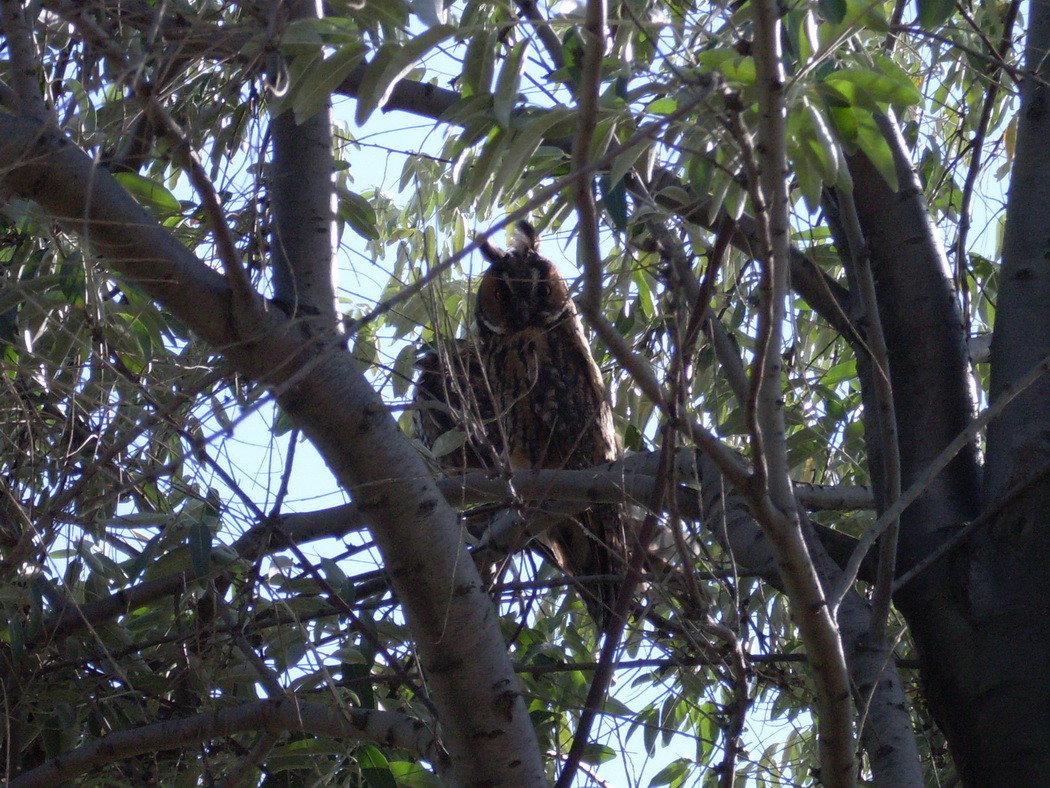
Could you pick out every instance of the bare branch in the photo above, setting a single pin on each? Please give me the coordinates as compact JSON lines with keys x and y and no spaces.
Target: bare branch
{"x":816,"y":624}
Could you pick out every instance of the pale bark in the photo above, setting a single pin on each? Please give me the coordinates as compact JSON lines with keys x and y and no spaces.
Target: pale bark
{"x":486,"y":729}
{"x":302,"y":240}
{"x":778,"y":517}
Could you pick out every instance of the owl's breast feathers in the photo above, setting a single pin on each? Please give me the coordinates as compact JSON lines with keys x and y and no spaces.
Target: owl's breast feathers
{"x":552,"y":399}
{"x":552,"y":404}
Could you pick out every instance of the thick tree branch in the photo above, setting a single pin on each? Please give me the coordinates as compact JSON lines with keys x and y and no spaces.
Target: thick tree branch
{"x":303,"y":201}
{"x":818,"y":629}
{"x":271,"y":716}
{"x":925,"y":479}
{"x":1022,"y":332}
{"x":485,"y":721}
{"x":914,"y":289}
{"x":25,"y":61}
{"x":875,"y":345}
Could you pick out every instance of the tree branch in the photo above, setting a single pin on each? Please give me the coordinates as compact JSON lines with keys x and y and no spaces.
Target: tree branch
{"x":325,"y":393}
{"x":818,"y":629}
{"x":25,"y":62}
{"x":271,"y":716}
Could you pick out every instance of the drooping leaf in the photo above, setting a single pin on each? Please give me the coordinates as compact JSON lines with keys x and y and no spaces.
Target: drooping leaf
{"x":358,"y":213}
{"x":895,"y":88}
{"x":375,"y":768}
{"x":614,"y":200}
{"x":508,"y":83}
{"x":873,"y":143}
{"x":149,"y":193}
{"x":391,"y":63}
{"x":199,"y":539}
{"x":833,"y":10}
{"x":316,"y":86}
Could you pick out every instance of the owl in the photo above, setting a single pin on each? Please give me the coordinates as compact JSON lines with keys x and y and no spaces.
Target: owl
{"x":452,"y":398}
{"x":551,"y":403}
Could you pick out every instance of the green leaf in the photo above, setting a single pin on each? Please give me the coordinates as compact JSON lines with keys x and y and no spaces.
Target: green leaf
{"x":614,"y":198}
{"x":358,"y":213}
{"x":412,"y":775}
{"x":662,"y":106}
{"x":833,"y":10}
{"x":149,"y":193}
{"x":873,"y":143}
{"x":523,"y":145}
{"x":430,"y":12}
{"x":316,"y":86}
{"x":673,"y":774}
{"x":143,"y":559}
{"x":846,"y":370}
{"x":844,"y":119}
{"x":933,"y":13}
{"x":598,"y":753}
{"x":508,"y":83}
{"x":479,"y":63}
{"x":302,"y":36}
{"x":892,"y":89}
{"x":198,"y":538}
{"x":626,"y":159}
{"x":375,"y":768}
{"x":478,"y":175}
{"x":448,"y":442}
{"x":392,"y":62}
{"x":404,"y":367}
{"x":807,"y":176}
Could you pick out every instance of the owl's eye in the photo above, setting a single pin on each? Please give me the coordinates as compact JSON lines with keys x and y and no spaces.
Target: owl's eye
{"x":544,"y":289}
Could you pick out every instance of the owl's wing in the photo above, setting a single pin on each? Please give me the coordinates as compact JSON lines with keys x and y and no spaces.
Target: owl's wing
{"x":452,"y":394}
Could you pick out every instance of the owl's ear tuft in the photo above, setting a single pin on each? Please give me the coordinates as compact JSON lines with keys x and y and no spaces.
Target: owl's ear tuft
{"x":490,"y":252}
{"x":525,"y":238}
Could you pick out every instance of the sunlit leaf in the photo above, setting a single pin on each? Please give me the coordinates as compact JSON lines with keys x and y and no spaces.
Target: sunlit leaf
{"x":507,"y":84}
{"x":390,"y":65}
{"x":150,"y":193}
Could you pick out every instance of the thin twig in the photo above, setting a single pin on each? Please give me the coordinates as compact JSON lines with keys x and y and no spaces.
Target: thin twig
{"x":976,"y":146}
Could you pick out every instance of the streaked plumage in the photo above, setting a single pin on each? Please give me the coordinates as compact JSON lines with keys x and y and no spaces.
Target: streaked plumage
{"x":452,"y":398}
{"x":550,"y":400}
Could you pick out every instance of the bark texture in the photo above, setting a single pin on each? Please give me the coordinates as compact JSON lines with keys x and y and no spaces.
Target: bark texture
{"x":485,"y":725}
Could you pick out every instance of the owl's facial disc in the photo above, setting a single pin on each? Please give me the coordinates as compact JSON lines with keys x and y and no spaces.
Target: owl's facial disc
{"x":521,"y":289}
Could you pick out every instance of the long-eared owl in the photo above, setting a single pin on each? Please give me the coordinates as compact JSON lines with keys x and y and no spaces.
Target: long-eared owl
{"x":452,"y":399}
{"x":551,"y":402}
